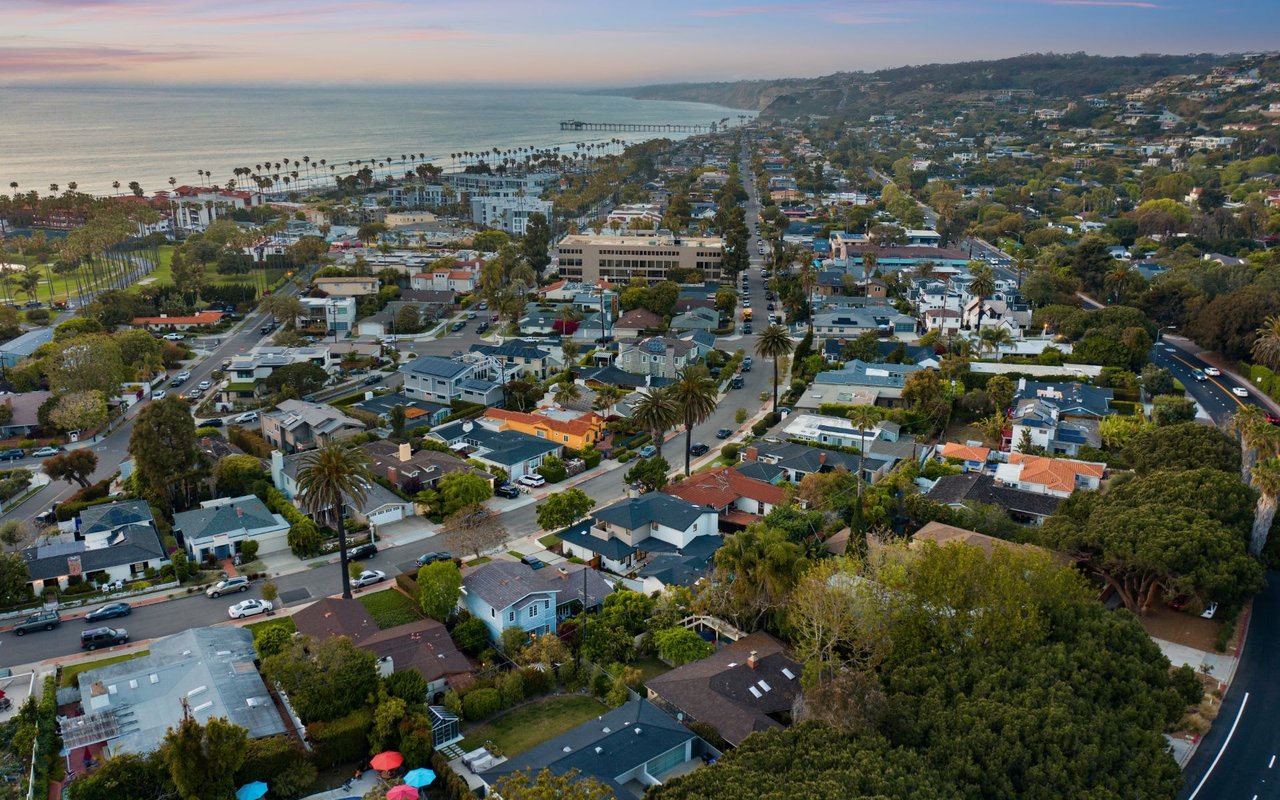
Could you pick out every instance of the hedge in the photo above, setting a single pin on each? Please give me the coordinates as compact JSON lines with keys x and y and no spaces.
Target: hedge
{"x":448,"y":783}
{"x":343,"y":740}
{"x":481,"y":703}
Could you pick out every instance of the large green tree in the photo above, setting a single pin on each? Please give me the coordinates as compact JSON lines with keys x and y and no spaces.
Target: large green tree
{"x":167,"y":462}
{"x":439,"y":586}
{"x":324,"y":679}
{"x":774,"y":344}
{"x":203,"y":759}
{"x":1188,"y":445}
{"x":562,"y":509}
{"x":462,"y":490}
{"x":695,"y":393}
{"x":86,"y":363}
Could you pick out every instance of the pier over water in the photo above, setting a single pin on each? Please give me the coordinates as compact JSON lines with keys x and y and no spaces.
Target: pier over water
{"x":647,"y":127}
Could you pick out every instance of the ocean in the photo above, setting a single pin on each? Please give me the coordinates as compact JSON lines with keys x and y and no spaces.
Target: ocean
{"x":94,"y":136}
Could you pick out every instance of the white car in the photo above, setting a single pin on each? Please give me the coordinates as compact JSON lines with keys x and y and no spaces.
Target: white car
{"x":1209,"y":611}
{"x":160,"y":395}
{"x":202,"y":385}
{"x":1213,"y":371}
{"x":248,"y":416}
{"x":247,"y":608}
{"x":46,"y":452}
{"x":184,"y":375}
{"x":368,"y":578}
{"x":532,"y":479}
{"x":173,"y":337}
{"x":1239,"y":391}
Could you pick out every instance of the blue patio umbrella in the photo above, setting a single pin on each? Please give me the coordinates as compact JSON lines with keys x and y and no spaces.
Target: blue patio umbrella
{"x":419,"y":777}
{"x":251,"y":791}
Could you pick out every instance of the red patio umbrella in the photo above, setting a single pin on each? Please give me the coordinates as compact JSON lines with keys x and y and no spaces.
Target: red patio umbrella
{"x":402,"y":792}
{"x":388,"y":759}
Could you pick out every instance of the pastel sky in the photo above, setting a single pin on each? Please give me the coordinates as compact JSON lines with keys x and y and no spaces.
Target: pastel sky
{"x":574,"y":42}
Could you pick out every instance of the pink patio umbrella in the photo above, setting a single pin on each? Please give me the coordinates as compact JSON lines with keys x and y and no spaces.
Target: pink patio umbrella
{"x":402,"y":792}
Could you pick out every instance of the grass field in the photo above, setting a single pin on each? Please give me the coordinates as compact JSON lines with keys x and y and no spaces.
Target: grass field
{"x":71,"y":671}
{"x":284,"y":622}
{"x":390,"y":608}
{"x":549,"y":541}
{"x":531,"y":725}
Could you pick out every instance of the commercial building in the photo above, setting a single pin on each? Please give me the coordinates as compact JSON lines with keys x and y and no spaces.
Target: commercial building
{"x":648,"y":255}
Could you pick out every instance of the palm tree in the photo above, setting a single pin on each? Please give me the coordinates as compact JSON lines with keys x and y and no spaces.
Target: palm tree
{"x":1266,"y":348}
{"x":1266,"y":479}
{"x":331,"y":476}
{"x":566,"y":392}
{"x":1256,"y":435}
{"x":864,"y":417}
{"x":656,"y":412}
{"x":990,"y":340}
{"x":982,"y":286}
{"x":774,"y":343}
{"x":607,"y":397}
{"x":695,"y":394}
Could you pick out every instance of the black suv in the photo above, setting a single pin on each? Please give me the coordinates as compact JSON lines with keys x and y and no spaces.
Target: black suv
{"x":94,"y":638}
{"x":698,"y":449}
{"x":368,"y":550}
{"x":41,"y":621}
{"x":508,"y":491}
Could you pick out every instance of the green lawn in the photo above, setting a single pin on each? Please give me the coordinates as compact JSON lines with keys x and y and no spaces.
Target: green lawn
{"x":70,"y":671}
{"x":549,"y":541}
{"x":475,"y":562}
{"x":516,"y":554}
{"x":390,"y":608}
{"x":283,"y":622}
{"x":531,"y":725}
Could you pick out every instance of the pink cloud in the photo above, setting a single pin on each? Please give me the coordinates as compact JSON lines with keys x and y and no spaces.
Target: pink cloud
{"x":1107,"y":3}
{"x":86,"y":58}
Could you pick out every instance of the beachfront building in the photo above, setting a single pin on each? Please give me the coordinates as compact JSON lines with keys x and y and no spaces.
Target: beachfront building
{"x":647,"y":255}
{"x":194,"y":208}
{"x":510,"y":214}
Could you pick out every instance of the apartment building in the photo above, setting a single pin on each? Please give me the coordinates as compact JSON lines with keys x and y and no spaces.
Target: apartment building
{"x":649,"y":256}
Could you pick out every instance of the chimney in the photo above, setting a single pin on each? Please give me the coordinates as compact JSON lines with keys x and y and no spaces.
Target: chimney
{"x":752,"y":661}
{"x":406,"y":452}
{"x":393,"y":474}
{"x":750,"y":454}
{"x":239,"y":511}
{"x":564,"y":574}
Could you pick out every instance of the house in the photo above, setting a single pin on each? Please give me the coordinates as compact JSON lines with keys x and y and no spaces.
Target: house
{"x":972,"y":487}
{"x":247,"y":375}
{"x":423,"y":646}
{"x":535,"y":359}
{"x":824,"y":430}
{"x":506,"y":594}
{"x":611,"y":375}
{"x":696,"y":319}
{"x":798,"y":460}
{"x":443,"y":380}
{"x":417,"y":413}
{"x":972,"y":458}
{"x":410,"y":471}
{"x":166,"y":322}
{"x":1072,"y":400}
{"x":220,"y":527}
{"x":942,"y":535}
{"x":635,"y":323}
{"x":1055,"y":476}
{"x":946,"y":321}
{"x":574,"y":431}
{"x":203,"y":673}
{"x":628,"y":749}
{"x":23,"y":412}
{"x":379,"y":506}
{"x":996,"y":314}
{"x":515,"y":453}
{"x":20,"y":348}
{"x":884,"y":382}
{"x":854,"y":321}
{"x":620,"y":535}
{"x":1040,"y":423}
{"x":348,"y":286}
{"x":298,"y":425}
{"x":332,"y":314}
{"x":657,"y":356}
{"x":747,"y":686}
{"x":112,"y":542}
{"x":737,"y":499}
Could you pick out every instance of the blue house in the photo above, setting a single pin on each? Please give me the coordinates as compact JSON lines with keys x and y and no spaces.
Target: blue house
{"x":509,"y":594}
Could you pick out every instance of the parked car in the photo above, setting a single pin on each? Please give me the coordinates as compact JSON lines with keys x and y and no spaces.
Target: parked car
{"x":372,"y":379}
{"x":746,"y":327}
{"x":366,"y":550}
{"x":724,"y":433}
{"x":736,"y":383}
{"x":195,"y":394}
{"x":46,"y":452}
{"x":94,"y":638}
{"x":227,"y":586}
{"x":246,"y":417}
{"x":173,"y":337}
{"x":431,"y":558}
{"x":160,"y":395}
{"x":493,"y":318}
{"x":533,"y":561}
{"x":13,"y":454}
{"x":471,"y":315}
{"x":457,"y":326}
{"x":176,"y":382}
{"x":648,"y":451}
{"x":247,"y":608}
{"x":699,"y":449}
{"x":482,"y":327}
{"x":204,"y":384}
{"x":533,"y":479}
{"x":109,"y":611}
{"x":484,"y":305}
{"x":506,"y":490}
{"x":368,"y":578}
{"x":40,"y":621}
{"x":216,"y":422}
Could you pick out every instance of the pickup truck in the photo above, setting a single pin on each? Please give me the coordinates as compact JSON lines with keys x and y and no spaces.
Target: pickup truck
{"x":41,"y":621}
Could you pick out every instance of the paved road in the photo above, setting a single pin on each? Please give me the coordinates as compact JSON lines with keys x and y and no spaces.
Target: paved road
{"x":1213,"y":393}
{"x":1239,"y":759}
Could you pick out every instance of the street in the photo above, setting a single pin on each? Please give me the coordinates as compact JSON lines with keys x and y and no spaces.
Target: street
{"x":1237,"y":758}
{"x":1214,"y":394}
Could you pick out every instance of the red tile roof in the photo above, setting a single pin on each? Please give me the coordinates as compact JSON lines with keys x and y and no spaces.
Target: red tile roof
{"x":965,"y":452}
{"x":1055,"y":473}
{"x":577,"y":427}
{"x":719,"y":487}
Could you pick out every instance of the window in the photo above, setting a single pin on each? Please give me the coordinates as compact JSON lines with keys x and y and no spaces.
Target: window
{"x":493,"y":613}
{"x":533,"y":611}
{"x":511,"y":616}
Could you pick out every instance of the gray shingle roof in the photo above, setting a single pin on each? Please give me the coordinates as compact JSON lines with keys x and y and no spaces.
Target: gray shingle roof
{"x":650,"y":507}
{"x":501,"y":583}
{"x":437,"y":366}
{"x":978,"y":488}
{"x":860,"y":373}
{"x":1069,"y":398}
{"x":247,"y":513}
{"x":128,"y":544}
{"x":113,"y":515}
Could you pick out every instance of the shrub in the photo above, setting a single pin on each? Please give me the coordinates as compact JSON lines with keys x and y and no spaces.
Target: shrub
{"x":249,"y":550}
{"x":249,"y":441}
{"x":730,"y":452}
{"x":511,"y":688}
{"x":481,"y":703}
{"x":1187,"y":684}
{"x":471,"y":636}
{"x":408,"y":685}
{"x":553,"y":470}
{"x":592,"y":457}
{"x":536,"y":681}
{"x":408,"y":583}
{"x":624,"y":456}
{"x":450,"y":785}
{"x":278,"y":761}
{"x":304,"y":539}
{"x":343,"y":740}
